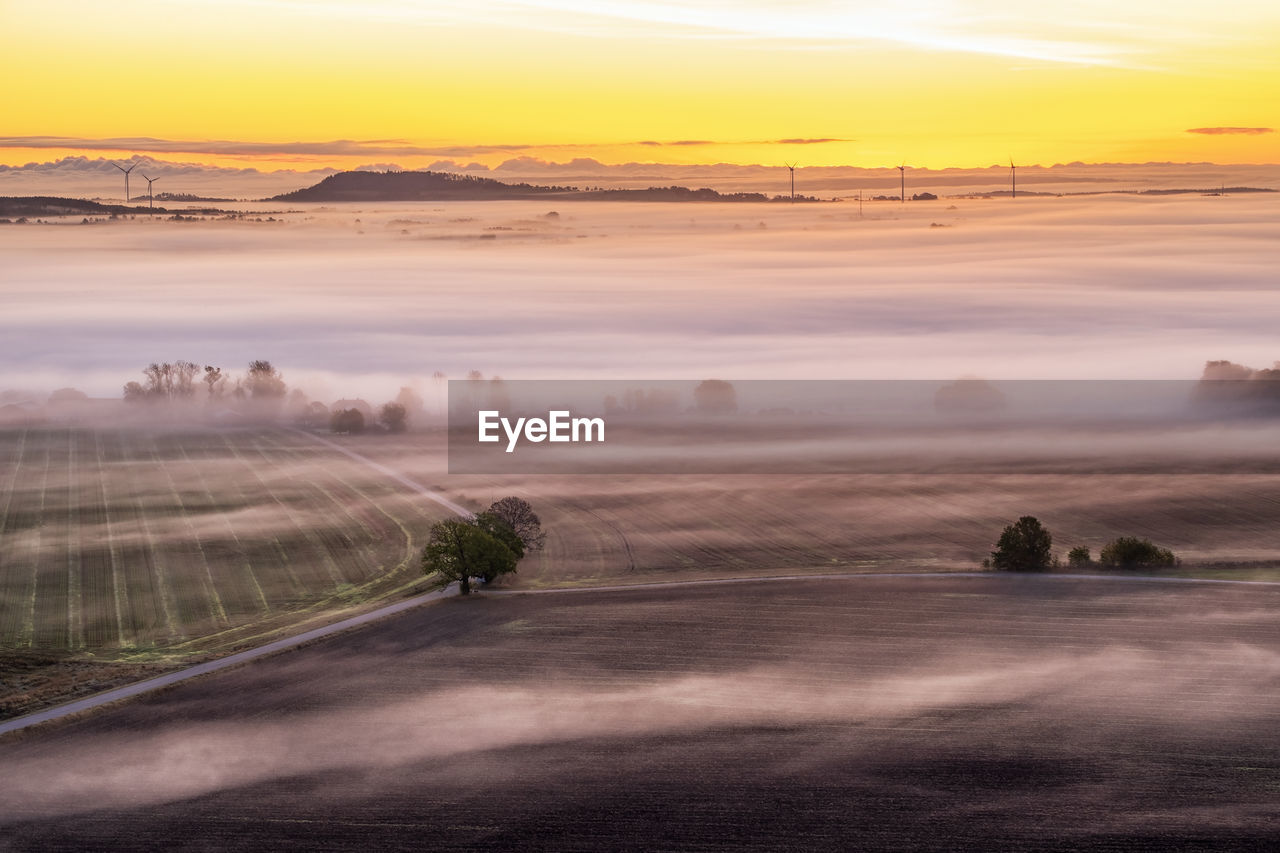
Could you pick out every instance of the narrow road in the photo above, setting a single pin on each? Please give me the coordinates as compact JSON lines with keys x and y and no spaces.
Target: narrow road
{"x":239,"y":658}
{"x":213,"y":666}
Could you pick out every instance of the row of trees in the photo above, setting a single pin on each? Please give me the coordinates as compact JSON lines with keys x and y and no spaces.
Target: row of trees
{"x":262,"y":391}
{"x":1026,"y":545}
{"x":179,"y":380}
{"x":483,"y":547}
{"x":393,"y":417}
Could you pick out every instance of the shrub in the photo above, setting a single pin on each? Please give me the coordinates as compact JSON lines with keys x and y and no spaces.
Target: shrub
{"x":1130,"y":552}
{"x":349,"y":421}
{"x":1079,"y":556}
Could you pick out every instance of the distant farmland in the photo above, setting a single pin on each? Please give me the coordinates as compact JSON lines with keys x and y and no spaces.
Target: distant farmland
{"x":131,"y":540}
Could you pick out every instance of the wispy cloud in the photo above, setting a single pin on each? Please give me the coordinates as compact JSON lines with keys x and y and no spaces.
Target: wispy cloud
{"x":245,"y":148}
{"x":971,"y":26}
{"x":373,"y":148}
{"x":1231,"y":131}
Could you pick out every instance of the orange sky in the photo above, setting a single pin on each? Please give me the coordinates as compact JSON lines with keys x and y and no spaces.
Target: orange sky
{"x":937,"y":83}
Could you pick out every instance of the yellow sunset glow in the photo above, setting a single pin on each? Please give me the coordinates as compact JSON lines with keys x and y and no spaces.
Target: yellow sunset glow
{"x":935,"y":83}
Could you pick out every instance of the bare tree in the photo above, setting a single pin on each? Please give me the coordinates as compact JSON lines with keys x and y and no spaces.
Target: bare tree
{"x":518,"y":515}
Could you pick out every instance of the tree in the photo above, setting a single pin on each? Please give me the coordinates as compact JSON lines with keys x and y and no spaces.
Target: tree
{"x":393,"y":416}
{"x":316,"y":415}
{"x":461,"y":550}
{"x":1130,"y":552}
{"x":1079,"y":557}
{"x":523,"y":521}
{"x":500,"y":530}
{"x":715,"y":397}
{"x":1023,"y":546}
{"x":264,"y":381}
{"x":411,"y":400}
{"x":349,"y":421}
{"x":215,"y":381}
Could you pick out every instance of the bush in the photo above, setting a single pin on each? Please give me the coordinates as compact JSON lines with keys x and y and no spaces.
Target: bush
{"x":349,"y":421}
{"x":1024,"y":546}
{"x":394,"y":417}
{"x":1079,"y":557}
{"x":1130,"y":552}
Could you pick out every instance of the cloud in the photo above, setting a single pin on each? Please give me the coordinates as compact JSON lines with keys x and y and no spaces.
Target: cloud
{"x":1231,"y":131}
{"x":793,"y":141}
{"x":229,"y":147}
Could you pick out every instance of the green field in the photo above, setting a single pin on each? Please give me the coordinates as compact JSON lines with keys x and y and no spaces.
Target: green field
{"x":132,"y":541}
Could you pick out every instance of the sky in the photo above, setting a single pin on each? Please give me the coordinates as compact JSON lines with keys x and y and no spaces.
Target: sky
{"x":934,"y":83}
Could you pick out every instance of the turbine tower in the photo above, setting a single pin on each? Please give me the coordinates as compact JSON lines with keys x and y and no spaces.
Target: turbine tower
{"x":792,"y":168}
{"x":1013,"y":177}
{"x":150,"y":197}
{"x":902,"y":175}
{"x":126,"y":178}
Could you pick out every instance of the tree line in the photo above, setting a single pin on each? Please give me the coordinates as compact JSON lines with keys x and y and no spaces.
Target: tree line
{"x":261,"y":392}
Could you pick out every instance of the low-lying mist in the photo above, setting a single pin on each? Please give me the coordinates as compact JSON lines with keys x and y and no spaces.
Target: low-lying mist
{"x":1081,"y":695}
{"x":360,"y":301}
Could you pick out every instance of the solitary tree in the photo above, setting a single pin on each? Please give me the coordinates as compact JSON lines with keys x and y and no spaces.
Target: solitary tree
{"x":523,"y":521}
{"x":1023,"y":546}
{"x":461,"y":550}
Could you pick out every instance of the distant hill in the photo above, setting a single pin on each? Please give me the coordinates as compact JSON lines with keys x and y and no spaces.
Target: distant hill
{"x":415,"y":186}
{"x":447,"y":186}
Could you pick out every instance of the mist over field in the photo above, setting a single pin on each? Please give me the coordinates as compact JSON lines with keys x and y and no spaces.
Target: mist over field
{"x":360,"y":300}
{"x":919,"y":706}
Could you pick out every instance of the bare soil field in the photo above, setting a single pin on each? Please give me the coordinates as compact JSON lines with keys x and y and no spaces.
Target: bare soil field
{"x":995,"y":713}
{"x":667,"y":527}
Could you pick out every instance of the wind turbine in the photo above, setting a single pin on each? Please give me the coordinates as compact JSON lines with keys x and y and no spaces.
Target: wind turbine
{"x":150,"y":197}
{"x":792,"y":168}
{"x":126,"y":178}
{"x":902,"y":174}
{"x":1013,"y":176}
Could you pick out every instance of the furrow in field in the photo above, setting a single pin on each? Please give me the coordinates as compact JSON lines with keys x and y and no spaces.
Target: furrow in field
{"x":297,"y":588}
{"x":306,"y":531}
{"x":75,"y":548}
{"x":128,"y":517}
{"x":36,"y":553}
{"x":364,"y":511}
{"x":353,"y":538}
{"x":249,"y":579}
{"x":10,"y":560}
{"x":99,"y":615}
{"x":198,"y":602}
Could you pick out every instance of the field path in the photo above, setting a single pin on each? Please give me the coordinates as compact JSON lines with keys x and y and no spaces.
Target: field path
{"x":415,"y":486}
